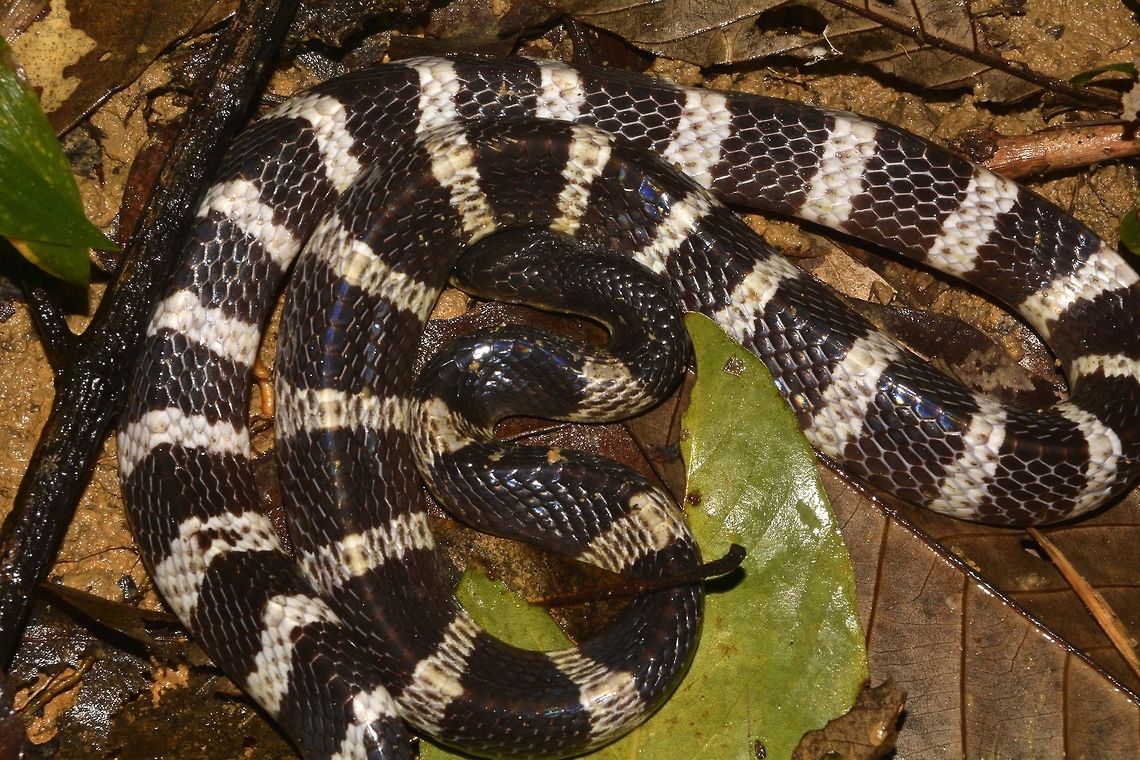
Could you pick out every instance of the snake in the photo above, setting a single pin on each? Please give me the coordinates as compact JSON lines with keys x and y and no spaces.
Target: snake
{"x":369,"y":187}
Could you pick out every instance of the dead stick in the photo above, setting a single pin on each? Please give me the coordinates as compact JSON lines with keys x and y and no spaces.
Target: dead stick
{"x":91,"y":389}
{"x":1048,"y":151}
{"x":1104,"y":615}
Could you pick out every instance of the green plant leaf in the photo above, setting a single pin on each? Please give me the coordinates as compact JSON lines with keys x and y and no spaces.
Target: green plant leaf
{"x":40,"y":210}
{"x":507,"y":615}
{"x":782,"y":652}
{"x":1082,"y":79}
{"x":1130,"y":232}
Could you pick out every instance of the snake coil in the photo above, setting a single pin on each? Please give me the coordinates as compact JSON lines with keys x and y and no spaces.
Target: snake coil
{"x":378,"y":181}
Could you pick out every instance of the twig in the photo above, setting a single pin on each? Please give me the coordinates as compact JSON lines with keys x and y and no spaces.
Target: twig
{"x":54,"y":686}
{"x":623,"y":587}
{"x":1101,"y":611}
{"x":919,"y":33}
{"x":58,"y":340}
{"x":1050,"y":150}
{"x":92,"y":388}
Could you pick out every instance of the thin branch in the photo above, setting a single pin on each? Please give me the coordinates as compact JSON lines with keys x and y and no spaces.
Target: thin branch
{"x":93,"y":386}
{"x":917,"y":32}
{"x":1050,"y":150}
{"x":51,"y":323}
{"x":1100,"y":609}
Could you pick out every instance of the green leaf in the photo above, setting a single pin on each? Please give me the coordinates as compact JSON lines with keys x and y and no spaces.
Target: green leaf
{"x":1130,"y":232}
{"x":505,"y":614}
{"x":1082,"y":79}
{"x":782,"y":652}
{"x":40,"y":209}
{"x":66,"y":262}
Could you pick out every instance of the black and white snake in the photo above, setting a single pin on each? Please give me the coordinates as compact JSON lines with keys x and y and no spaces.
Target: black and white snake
{"x":380,"y":180}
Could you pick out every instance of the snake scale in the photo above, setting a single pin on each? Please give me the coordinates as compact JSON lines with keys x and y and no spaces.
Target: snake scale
{"x":379,"y":180}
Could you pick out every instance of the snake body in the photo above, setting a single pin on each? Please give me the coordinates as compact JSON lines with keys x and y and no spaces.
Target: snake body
{"x":380,"y":180}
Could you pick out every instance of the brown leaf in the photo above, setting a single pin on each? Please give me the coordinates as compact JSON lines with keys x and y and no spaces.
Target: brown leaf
{"x":966,"y":353}
{"x":119,"y":618}
{"x":101,"y":695}
{"x":868,"y":731}
{"x":983,"y":678}
{"x":333,"y":22}
{"x":484,"y":22}
{"x":104,"y":46}
{"x":1103,"y":549}
{"x":936,"y":44}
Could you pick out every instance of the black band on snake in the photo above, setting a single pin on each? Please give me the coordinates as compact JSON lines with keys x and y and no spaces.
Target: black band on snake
{"x":379,"y":181}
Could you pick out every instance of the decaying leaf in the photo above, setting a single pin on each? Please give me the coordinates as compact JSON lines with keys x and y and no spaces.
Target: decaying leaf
{"x":99,"y":48}
{"x":983,"y":679}
{"x":333,"y":21}
{"x":868,"y":731}
{"x":1010,"y":561}
{"x":95,"y":688}
{"x":485,"y":25}
{"x":936,"y":44}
